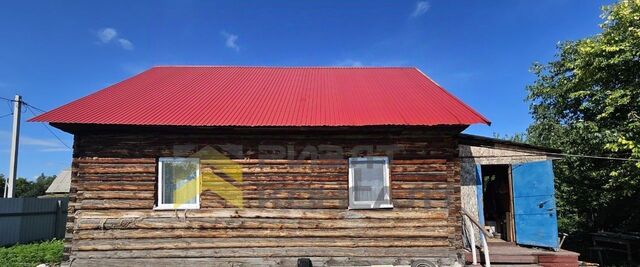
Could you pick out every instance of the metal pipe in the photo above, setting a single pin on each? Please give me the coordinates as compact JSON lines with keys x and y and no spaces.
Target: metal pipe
{"x":483,"y":236}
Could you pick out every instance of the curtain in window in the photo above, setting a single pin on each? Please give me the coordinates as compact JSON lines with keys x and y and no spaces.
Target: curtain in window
{"x":368,"y":180}
{"x":176,"y":174}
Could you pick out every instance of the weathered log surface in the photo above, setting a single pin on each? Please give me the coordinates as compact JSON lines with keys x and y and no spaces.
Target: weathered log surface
{"x":443,"y":256}
{"x":294,"y":204}
{"x":197,"y":243}
{"x":260,"y":252}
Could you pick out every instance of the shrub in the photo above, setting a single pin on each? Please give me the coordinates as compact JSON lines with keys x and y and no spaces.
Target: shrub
{"x":49,"y":252}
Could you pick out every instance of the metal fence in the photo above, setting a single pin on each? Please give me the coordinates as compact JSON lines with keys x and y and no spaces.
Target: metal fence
{"x":24,"y":220}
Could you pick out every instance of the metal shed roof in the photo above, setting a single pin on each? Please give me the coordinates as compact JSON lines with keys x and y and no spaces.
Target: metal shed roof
{"x":270,"y":96}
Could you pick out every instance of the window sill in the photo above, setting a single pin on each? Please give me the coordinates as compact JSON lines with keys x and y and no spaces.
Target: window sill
{"x":364,"y":207}
{"x":181,"y":207}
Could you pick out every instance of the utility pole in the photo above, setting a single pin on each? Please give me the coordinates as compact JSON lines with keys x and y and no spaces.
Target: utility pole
{"x":13,"y":168}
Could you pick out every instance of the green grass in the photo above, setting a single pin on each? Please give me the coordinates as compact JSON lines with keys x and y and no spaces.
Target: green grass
{"x":49,"y":252}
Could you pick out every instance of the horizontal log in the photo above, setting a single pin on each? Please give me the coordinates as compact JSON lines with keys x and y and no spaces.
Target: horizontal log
{"x":117,"y":194}
{"x":417,"y":214}
{"x":281,"y":194}
{"x":95,"y":160}
{"x":418,"y":194}
{"x":260,"y":252}
{"x":333,"y":185}
{"x":246,"y":162}
{"x":435,"y":255}
{"x":318,"y":203}
{"x":424,"y":232}
{"x":292,"y":194}
{"x":116,"y":186}
{"x":117,"y":204}
{"x":248,"y":186}
{"x":118,"y":178}
{"x":407,"y":177}
{"x":199,"y":243}
{"x":418,"y":185}
{"x":248,"y":223}
{"x":342,"y":177}
{"x":281,"y":203}
{"x":120,"y":168}
{"x":313,"y":168}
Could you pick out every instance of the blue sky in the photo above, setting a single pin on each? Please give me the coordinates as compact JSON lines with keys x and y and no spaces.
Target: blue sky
{"x":53,"y":52}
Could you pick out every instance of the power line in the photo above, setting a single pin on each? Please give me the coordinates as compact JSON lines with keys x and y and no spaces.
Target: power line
{"x":6,"y":115}
{"x":595,"y":157}
{"x":29,"y":107}
{"x":36,"y":108}
{"x":564,"y":154}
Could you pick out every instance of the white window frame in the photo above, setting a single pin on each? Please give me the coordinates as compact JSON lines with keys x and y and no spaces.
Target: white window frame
{"x":172,"y":206}
{"x":369,"y":204}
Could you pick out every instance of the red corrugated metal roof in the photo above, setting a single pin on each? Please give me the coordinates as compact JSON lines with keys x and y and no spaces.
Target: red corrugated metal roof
{"x":270,"y":96}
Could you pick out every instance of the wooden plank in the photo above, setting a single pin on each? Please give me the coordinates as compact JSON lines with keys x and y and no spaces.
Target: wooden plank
{"x":116,"y":204}
{"x":198,"y":243}
{"x":94,"y":160}
{"x":315,"y":203}
{"x":442,"y":256}
{"x":417,"y":214}
{"x":128,"y":168}
{"x":116,"y":186}
{"x":248,"y":223}
{"x":118,"y":194}
{"x":425,"y":232}
{"x":264,"y":252}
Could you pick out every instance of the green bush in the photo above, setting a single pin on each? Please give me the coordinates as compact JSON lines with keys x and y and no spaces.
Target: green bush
{"x":49,"y":252}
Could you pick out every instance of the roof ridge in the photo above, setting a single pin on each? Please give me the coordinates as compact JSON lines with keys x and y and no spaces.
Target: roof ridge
{"x":284,"y":67}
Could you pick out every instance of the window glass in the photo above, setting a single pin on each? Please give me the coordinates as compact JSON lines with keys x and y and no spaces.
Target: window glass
{"x":179,"y":182}
{"x":369,"y":182}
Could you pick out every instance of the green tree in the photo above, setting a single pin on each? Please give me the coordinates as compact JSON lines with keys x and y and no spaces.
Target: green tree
{"x":2,"y":179}
{"x":26,"y":188}
{"x":587,"y":101}
{"x":36,"y":188}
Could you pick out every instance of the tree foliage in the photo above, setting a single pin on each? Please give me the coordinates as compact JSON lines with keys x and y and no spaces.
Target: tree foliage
{"x":587,"y":102}
{"x":26,"y":188}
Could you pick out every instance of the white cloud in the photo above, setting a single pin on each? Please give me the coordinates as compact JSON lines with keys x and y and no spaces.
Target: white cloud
{"x":421,"y":8}
{"x":108,"y":35}
{"x":41,"y":144}
{"x":125,"y":44}
{"x":349,"y":62}
{"x":230,"y":40}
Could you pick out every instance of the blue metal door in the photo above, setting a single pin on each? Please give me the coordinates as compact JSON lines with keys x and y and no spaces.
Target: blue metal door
{"x":534,"y":204}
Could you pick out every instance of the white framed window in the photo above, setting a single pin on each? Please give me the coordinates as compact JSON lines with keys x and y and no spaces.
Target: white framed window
{"x":369,"y":183}
{"x":178,"y":184}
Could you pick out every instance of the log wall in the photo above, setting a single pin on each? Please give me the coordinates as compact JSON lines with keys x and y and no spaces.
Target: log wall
{"x":295,"y":203}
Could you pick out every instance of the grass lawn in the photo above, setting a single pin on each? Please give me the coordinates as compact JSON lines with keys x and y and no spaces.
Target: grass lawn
{"x":49,"y":252}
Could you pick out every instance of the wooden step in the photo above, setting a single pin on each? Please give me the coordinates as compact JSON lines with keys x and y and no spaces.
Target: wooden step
{"x":505,"y":254}
{"x":508,"y":264}
{"x":497,"y":258}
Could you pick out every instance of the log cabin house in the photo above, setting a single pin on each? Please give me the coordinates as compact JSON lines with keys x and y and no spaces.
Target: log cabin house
{"x":248,"y":166}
